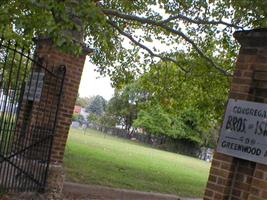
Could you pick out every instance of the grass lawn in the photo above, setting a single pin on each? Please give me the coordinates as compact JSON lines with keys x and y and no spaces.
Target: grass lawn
{"x":95,"y":158}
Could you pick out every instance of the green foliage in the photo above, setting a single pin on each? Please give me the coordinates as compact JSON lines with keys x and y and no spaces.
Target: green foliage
{"x":78,"y":118}
{"x":97,"y":105}
{"x":83,"y":101}
{"x":14,"y":67}
{"x":155,"y":120}
{"x":165,"y":101}
{"x":93,"y":118}
{"x":123,"y":106}
{"x":107,"y":121}
{"x":253,"y":12}
{"x":193,"y":38}
{"x":203,"y":91}
{"x":203,"y":29}
{"x":182,"y":106}
{"x":189,"y":124}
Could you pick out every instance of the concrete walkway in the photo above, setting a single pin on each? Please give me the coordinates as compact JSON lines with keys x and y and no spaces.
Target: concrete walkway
{"x":84,"y":192}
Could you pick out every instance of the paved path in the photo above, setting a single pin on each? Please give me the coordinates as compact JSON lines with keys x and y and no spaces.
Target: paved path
{"x":84,"y":192}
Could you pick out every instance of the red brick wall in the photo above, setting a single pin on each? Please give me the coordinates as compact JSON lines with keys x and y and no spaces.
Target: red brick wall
{"x":74,"y":66}
{"x":234,"y":178}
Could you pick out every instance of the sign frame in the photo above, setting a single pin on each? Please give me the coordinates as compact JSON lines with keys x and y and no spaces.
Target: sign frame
{"x":244,"y":131}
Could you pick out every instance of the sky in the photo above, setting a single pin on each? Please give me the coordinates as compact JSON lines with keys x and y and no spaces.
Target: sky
{"x":92,"y":84}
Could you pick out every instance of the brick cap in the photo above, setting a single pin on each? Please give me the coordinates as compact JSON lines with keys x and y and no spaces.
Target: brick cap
{"x":252,"y":38}
{"x":86,"y":50}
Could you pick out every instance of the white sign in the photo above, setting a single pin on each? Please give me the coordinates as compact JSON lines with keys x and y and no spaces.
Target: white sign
{"x":33,"y":88}
{"x":244,"y":131}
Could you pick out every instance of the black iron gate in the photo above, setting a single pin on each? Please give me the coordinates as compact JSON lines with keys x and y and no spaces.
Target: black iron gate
{"x":30,"y":93}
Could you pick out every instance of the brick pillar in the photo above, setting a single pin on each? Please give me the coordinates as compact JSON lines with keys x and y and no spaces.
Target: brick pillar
{"x":234,"y":178}
{"x":74,"y":67}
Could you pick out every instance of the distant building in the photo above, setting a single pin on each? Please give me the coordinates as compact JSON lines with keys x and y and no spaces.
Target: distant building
{"x":77,"y":109}
{"x":75,"y":124}
{"x":84,"y":113}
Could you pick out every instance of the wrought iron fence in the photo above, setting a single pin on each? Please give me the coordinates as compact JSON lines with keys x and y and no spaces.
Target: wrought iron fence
{"x":30,"y":92}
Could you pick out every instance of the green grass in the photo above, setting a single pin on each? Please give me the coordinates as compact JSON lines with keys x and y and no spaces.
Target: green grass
{"x":95,"y":158}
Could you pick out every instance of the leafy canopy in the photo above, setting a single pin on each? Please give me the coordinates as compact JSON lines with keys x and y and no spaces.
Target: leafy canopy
{"x":163,"y":101}
{"x":122,"y":107}
{"x":131,"y":42}
{"x":129,"y":35}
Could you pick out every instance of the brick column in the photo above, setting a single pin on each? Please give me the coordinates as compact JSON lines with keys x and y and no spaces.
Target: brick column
{"x":234,"y":178}
{"x":74,"y":67}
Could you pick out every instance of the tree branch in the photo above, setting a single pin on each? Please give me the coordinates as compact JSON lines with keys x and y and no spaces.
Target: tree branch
{"x":142,"y":20}
{"x":200,"y":21}
{"x":130,"y":37}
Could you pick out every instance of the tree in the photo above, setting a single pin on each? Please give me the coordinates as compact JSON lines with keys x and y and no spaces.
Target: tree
{"x":123,"y":106}
{"x":155,"y":120}
{"x":126,"y":34}
{"x":168,"y":103}
{"x":107,"y":120}
{"x":83,"y":101}
{"x":132,"y":38}
{"x":93,"y":118}
{"x":78,"y":118}
{"x":204,"y":90}
{"x":14,"y":66}
{"x":97,"y":106}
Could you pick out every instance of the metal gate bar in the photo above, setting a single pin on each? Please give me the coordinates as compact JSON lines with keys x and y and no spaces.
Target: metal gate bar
{"x":30,"y":92}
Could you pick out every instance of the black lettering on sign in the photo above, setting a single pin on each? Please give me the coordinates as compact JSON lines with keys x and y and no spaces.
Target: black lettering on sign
{"x":242,"y":148}
{"x":236,"y":124}
{"x":261,"y":128}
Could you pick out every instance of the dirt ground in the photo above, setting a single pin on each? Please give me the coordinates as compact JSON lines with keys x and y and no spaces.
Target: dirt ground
{"x":75,"y":191}
{"x":83,"y":192}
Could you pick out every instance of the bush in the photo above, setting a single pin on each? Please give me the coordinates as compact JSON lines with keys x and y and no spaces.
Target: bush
{"x":78,"y":118}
